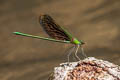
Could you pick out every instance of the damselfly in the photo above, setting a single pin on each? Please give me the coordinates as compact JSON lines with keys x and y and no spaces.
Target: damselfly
{"x":56,"y":32}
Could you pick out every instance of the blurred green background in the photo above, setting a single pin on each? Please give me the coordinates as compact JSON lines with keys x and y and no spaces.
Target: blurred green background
{"x":97,"y":22}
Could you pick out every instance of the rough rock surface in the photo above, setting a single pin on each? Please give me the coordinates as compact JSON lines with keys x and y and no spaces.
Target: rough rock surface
{"x":87,"y":69}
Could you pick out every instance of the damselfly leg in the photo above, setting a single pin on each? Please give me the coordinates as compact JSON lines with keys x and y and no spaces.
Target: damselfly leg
{"x":82,"y":51}
{"x":70,"y":52}
{"x":76,"y":51}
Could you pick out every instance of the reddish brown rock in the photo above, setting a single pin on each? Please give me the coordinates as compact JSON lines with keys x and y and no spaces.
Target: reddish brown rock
{"x":87,"y":69}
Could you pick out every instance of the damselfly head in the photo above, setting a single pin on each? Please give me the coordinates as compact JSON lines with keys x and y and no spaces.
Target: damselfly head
{"x":82,"y":42}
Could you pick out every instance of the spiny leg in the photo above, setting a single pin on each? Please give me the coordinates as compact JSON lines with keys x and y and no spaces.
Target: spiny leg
{"x":68,"y":50}
{"x":82,"y":51}
{"x":70,"y":53}
{"x":77,"y":47}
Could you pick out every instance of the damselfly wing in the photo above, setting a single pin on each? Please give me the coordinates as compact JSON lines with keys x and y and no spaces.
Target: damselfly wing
{"x":52,"y":28}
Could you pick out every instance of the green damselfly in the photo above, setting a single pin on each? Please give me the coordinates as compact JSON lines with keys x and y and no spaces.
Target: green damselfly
{"x":56,"y":33}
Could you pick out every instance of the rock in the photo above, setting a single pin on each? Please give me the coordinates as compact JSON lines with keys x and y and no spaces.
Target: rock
{"x":87,"y":69}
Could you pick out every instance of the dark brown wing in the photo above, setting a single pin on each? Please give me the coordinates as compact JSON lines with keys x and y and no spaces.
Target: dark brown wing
{"x":52,"y":29}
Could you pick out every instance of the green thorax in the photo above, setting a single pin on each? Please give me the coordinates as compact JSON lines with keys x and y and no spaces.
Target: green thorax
{"x":72,"y":39}
{"x":75,"y":41}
